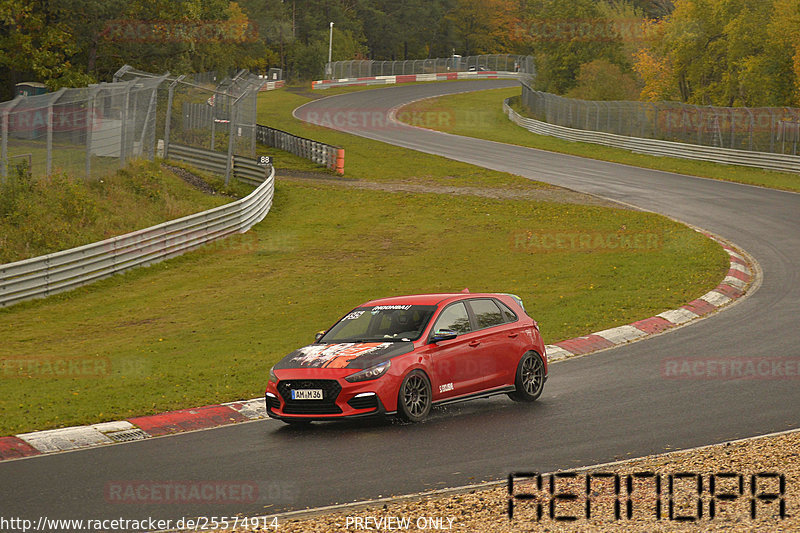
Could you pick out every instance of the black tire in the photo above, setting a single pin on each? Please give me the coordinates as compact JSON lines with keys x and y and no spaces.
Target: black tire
{"x":530,"y":378}
{"x":415,"y":398}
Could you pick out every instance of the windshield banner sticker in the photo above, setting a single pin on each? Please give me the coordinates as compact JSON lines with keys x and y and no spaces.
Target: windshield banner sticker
{"x":379,"y":308}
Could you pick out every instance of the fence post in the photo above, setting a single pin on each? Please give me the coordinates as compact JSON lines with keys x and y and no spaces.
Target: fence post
{"x":655,"y":120}
{"x":123,"y":137}
{"x":49,"y":164}
{"x":151,"y":113}
{"x":168,"y":119}
{"x":89,"y":128}
{"x":253,"y":121}
{"x":4,"y":149}
{"x":771,"y":131}
{"x":213,"y":120}
{"x":232,"y":121}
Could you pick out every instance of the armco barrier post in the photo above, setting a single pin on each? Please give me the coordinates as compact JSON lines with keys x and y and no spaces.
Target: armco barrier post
{"x":340,"y":161}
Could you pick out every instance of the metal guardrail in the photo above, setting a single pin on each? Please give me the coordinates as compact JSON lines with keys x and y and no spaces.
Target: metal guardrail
{"x":490,"y":62}
{"x":42,"y":276}
{"x":410,"y":78}
{"x":728,"y":156}
{"x":211,"y":161}
{"x":320,"y":153}
{"x":243,"y":168}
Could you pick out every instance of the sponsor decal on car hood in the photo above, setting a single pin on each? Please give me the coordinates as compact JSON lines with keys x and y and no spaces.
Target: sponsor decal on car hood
{"x":344,"y":355}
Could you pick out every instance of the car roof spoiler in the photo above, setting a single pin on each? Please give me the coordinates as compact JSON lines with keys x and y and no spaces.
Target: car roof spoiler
{"x":516,"y":299}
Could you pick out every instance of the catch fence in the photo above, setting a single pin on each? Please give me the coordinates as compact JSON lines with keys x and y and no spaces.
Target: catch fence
{"x":761,"y":129}
{"x":83,"y":131}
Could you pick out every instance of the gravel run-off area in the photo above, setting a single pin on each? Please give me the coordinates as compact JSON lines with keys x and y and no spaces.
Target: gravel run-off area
{"x":485,"y":508}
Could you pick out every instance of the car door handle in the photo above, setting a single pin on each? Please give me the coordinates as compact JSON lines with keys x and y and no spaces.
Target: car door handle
{"x":513,"y":335}
{"x":474,"y":343}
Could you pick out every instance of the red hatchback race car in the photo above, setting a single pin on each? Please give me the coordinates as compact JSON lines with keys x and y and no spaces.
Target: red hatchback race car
{"x":404,"y":354}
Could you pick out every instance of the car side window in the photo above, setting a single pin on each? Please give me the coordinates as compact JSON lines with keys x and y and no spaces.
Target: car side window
{"x":511,"y":316}
{"x":486,"y":313}
{"x":454,"y":317}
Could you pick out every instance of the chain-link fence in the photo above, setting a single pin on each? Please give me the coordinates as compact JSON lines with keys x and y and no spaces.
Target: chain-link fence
{"x":208,"y":111}
{"x":367,"y":68}
{"x":86,"y":131}
{"x":94,"y":130}
{"x":761,"y":129}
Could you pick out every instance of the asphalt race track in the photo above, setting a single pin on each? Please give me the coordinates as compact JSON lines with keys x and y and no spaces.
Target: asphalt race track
{"x":598,"y":408}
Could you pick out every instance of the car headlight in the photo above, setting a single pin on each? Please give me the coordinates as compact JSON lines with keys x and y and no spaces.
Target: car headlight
{"x":272,"y":377}
{"x":367,"y":374}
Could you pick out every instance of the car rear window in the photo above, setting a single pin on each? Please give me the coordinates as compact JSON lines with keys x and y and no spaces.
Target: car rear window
{"x":510,"y":315}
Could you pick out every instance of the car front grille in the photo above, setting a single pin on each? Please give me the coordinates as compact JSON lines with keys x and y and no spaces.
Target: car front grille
{"x":325,"y":406}
{"x":364,"y":402}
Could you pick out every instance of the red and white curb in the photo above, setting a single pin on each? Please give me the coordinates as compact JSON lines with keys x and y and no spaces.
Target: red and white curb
{"x":740,"y":277}
{"x":139,"y":428}
{"x":410,"y":78}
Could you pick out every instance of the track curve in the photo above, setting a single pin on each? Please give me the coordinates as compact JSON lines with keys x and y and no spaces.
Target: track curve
{"x":595,"y":409}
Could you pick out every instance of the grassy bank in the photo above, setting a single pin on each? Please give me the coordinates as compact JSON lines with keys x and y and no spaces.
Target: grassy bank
{"x":480,"y":114}
{"x":48,"y":214}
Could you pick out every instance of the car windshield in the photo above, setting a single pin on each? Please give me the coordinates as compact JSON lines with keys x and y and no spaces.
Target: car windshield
{"x":381,"y":323}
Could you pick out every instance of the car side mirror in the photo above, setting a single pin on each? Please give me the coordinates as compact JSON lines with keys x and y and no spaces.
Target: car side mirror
{"x":443,"y":335}
{"x":318,"y":336}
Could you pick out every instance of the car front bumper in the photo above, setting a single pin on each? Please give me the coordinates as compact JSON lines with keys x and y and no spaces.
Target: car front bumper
{"x":341,"y":399}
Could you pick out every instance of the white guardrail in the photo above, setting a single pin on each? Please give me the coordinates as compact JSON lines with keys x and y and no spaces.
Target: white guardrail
{"x":728,"y":156}
{"x":410,"y":78}
{"x":42,"y":276}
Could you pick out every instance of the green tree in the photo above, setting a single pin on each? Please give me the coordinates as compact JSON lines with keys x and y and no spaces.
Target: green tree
{"x":483,"y":26}
{"x":562,"y":36}
{"x":35,"y":44}
{"x":602,"y":80}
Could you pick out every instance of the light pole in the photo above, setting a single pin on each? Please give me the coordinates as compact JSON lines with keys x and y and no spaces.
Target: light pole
{"x":330,"y":49}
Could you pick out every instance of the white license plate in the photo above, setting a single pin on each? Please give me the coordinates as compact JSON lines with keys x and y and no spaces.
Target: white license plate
{"x":306,"y":394}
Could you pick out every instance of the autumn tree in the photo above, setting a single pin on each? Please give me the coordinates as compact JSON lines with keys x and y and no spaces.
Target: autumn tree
{"x":723,"y":52}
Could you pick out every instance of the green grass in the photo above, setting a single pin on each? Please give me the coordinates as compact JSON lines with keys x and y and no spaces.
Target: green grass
{"x":66,"y":158}
{"x":41,"y":215}
{"x":480,"y":114}
{"x":205,"y":327}
{"x":391,"y":164}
